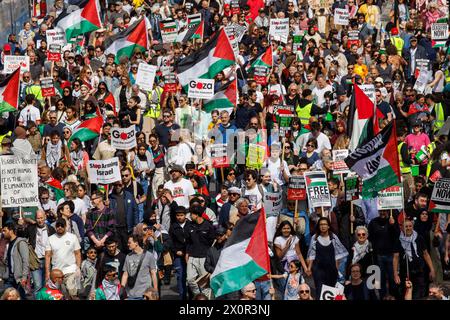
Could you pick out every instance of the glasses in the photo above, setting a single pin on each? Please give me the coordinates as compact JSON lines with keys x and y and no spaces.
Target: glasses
{"x":125,"y":175}
{"x":287,"y":147}
{"x":76,"y":85}
{"x":253,"y":290}
{"x":303,"y":291}
{"x":231,"y":174}
{"x":152,"y":141}
{"x":310,"y":145}
{"x":166,"y":115}
{"x":302,"y":169}
{"x":361,"y":234}
{"x":146,"y":229}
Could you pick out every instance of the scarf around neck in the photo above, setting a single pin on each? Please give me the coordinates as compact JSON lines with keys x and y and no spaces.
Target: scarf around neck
{"x":53,"y":154}
{"x":111,"y":290}
{"x":408,"y":244}
{"x":360,"y":250}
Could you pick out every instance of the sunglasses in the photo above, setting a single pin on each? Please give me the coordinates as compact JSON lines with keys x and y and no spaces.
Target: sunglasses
{"x":310,"y":145}
{"x":166,"y":115}
{"x":361,"y":234}
{"x":303,"y":291}
{"x":146,"y":229}
{"x":231,"y":174}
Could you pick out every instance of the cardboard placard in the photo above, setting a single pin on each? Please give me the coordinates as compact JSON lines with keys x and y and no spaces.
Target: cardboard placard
{"x":341,"y":16}
{"x":55,"y":36}
{"x":296,"y":188}
{"x":219,"y":156}
{"x":169,"y":30}
{"x":48,"y":88}
{"x":339,"y":165}
{"x":146,"y":76}
{"x":279,"y":29}
{"x":317,"y":189}
{"x":201,"y":88}
{"x":351,"y":187}
{"x":54,"y":52}
{"x":19,"y":182}
{"x":440,"y":198}
{"x":273,"y":203}
{"x":170,"y":82}
{"x":390,"y":198}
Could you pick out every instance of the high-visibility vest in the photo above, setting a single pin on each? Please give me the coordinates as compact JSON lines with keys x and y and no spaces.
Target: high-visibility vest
{"x":36,"y":91}
{"x":403,"y":168}
{"x":447,"y":76}
{"x":439,"y":121}
{"x":398,"y":43}
{"x":304,"y":113}
{"x":2,"y":136}
{"x":430,"y":149}
{"x":155,"y":112}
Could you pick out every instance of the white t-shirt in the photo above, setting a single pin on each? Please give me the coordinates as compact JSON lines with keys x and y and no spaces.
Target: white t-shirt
{"x":281,"y":242}
{"x":319,"y":94}
{"x":80,"y":206}
{"x":28,"y":113}
{"x":323,"y":142}
{"x":254,"y":196}
{"x":63,"y":248}
{"x":181,"y":191}
{"x":275,"y":173}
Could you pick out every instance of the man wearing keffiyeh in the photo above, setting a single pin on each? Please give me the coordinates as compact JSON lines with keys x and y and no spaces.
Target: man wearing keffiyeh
{"x":52,"y":289}
{"x":410,"y":260}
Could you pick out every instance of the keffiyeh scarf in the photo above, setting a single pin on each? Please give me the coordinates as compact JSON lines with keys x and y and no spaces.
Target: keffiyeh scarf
{"x":408,"y":244}
{"x":111,"y":290}
{"x":360,"y":250}
{"x":53,"y":153}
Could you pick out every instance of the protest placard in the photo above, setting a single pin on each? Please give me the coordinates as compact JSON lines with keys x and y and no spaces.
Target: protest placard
{"x":219,"y":156}
{"x":296,"y":188}
{"x":54,"y":52}
{"x":297,"y":42}
{"x":390,"y":198}
{"x":123,"y":138}
{"x":317,"y":189}
{"x":14,"y":62}
{"x":279,"y":29}
{"x":255,"y":157}
{"x":104,"y":171}
{"x":339,"y":165}
{"x":170,"y":82}
{"x":440,"y":198}
{"x":169,"y":30}
{"x":201,"y":88}
{"x":29,"y":212}
{"x":439,"y":34}
{"x":273,"y":203}
{"x":235,"y":8}
{"x":260,"y":74}
{"x":341,"y":16}
{"x":353,"y":38}
{"x":284,"y":115}
{"x":55,"y":36}
{"x":351,"y":187}
{"x":146,"y":76}
{"x":19,"y":182}
{"x":47,"y":87}
{"x":329,"y":293}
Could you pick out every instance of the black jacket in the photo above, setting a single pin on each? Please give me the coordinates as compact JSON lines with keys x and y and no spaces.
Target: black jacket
{"x":342,"y":212}
{"x":200,"y":238}
{"x":30,"y":233}
{"x":212,"y":257}
{"x":383,"y":235}
{"x":178,"y":236}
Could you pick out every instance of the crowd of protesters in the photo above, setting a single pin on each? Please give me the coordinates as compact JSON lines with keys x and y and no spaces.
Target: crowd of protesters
{"x":167,"y":220}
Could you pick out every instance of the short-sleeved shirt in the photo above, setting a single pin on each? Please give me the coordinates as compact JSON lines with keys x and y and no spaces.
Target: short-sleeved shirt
{"x":281,"y":242}
{"x":144,"y":280}
{"x":63,"y":251}
{"x":29,"y":113}
{"x":181,"y":191}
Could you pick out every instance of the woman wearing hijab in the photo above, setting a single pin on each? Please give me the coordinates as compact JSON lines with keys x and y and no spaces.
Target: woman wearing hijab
{"x":410,"y":260}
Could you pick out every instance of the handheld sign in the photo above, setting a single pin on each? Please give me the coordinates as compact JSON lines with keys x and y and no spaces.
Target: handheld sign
{"x":13,"y":62}
{"x":351,"y":185}
{"x":123,"y":138}
{"x":339,"y":165}
{"x":329,"y":293}
{"x":55,"y":36}
{"x":439,"y":34}
{"x":390,"y":198}
{"x":54,"y":52}
{"x":201,"y":88}
{"x":219,"y":156}
{"x":317,"y":189}
{"x":104,"y":171}
{"x":279,"y":29}
{"x":170,"y":82}
{"x":341,"y":16}
{"x":48,"y":89}
{"x":19,"y":182}
{"x":146,"y":76}
{"x":440,"y":198}
{"x":296,"y":188}
{"x":273,"y":202}
{"x":169,"y":31}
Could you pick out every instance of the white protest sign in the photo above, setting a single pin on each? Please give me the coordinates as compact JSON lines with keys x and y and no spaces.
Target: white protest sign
{"x":317,"y":189}
{"x":146,"y":76}
{"x":440,"y":198}
{"x":422,"y":80}
{"x":104,"y":171}
{"x":55,"y":36}
{"x":341,"y":16}
{"x":279,"y":29}
{"x":14,"y":62}
{"x":201,"y":88}
{"x":19,"y":182}
{"x":123,"y":138}
{"x":390,"y":198}
{"x":329,"y":293}
{"x":169,"y":30}
{"x":273,"y":202}
{"x":369,"y":90}
{"x":339,"y":165}
{"x":439,"y":31}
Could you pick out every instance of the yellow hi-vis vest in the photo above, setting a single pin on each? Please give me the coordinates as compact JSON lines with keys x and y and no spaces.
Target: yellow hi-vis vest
{"x":439,"y":121}
{"x":304,"y":113}
{"x":403,"y":168}
{"x":430,"y":149}
{"x":2,"y":136}
{"x":447,"y":76}
{"x":36,"y":91}
{"x":398,"y":43}
{"x":155,"y":112}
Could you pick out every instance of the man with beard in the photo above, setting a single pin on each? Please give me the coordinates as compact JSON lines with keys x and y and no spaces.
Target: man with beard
{"x":52,"y":289}
{"x":416,"y":206}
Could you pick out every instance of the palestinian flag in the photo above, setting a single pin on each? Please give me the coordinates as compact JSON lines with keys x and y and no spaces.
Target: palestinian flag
{"x":55,"y":186}
{"x":265,"y":60}
{"x":245,"y":256}
{"x":194,"y":19}
{"x":9,"y":92}
{"x":109,"y":99}
{"x":79,"y":19}
{"x":360,"y":118}
{"x":193,"y":32}
{"x":124,"y":43}
{"x":87,"y":130}
{"x":377,"y":162}
{"x":213,"y":57}
{"x":225,"y":98}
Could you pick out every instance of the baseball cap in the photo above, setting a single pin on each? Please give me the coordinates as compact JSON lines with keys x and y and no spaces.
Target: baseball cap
{"x":234,"y":190}
{"x":180,"y":209}
{"x":413,"y":38}
{"x":388,"y":80}
{"x":178,"y":168}
{"x":379,"y":79}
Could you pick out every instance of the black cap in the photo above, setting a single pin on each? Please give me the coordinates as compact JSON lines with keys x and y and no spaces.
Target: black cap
{"x":220,"y":231}
{"x":196,"y":209}
{"x":180,"y":209}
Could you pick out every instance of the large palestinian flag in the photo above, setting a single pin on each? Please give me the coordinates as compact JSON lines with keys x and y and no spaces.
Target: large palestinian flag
{"x":213,"y":57}
{"x":55,"y":186}
{"x":87,"y":130}
{"x":225,"y":97}
{"x":245,"y":256}
{"x":360,"y":118}
{"x":9,"y":92}
{"x":377,"y":162}
{"x":79,"y":19}
{"x":193,"y":32}
{"x":265,"y":60}
{"x":124,"y":43}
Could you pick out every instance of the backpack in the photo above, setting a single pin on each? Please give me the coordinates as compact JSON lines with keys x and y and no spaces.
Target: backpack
{"x":33,"y":259}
